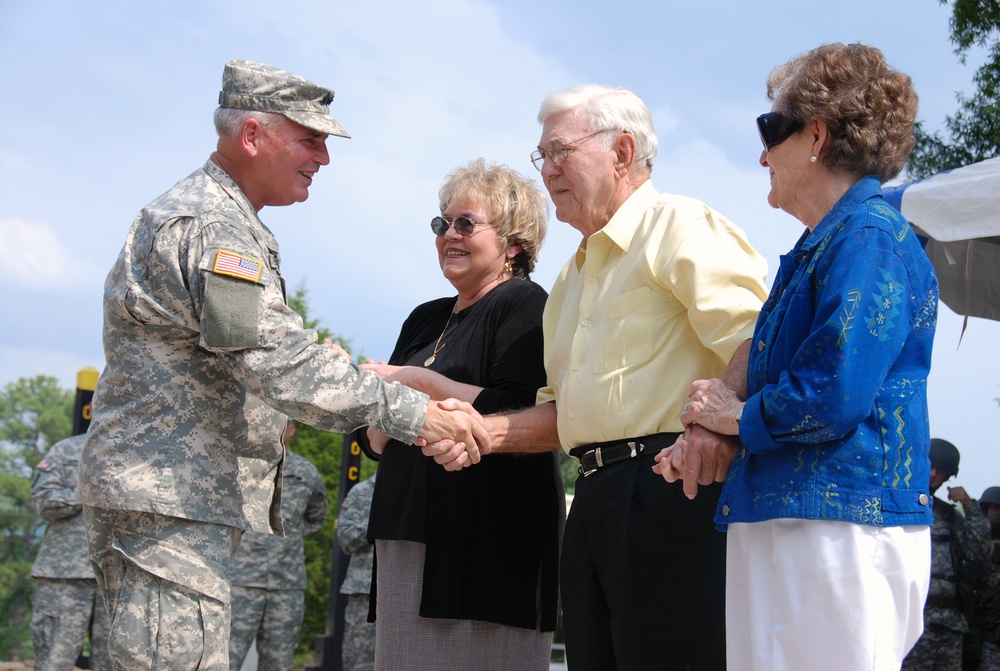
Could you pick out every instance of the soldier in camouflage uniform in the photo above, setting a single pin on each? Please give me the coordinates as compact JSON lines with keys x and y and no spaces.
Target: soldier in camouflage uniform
{"x":201,"y":350}
{"x":958,"y":543}
{"x":987,"y":583}
{"x":269,"y":572}
{"x":66,"y":598}
{"x":352,"y":535}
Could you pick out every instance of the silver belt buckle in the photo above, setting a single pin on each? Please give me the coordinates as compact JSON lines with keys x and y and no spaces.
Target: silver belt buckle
{"x":591,"y":471}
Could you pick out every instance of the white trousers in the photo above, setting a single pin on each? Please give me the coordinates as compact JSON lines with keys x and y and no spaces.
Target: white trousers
{"x":821,"y":595}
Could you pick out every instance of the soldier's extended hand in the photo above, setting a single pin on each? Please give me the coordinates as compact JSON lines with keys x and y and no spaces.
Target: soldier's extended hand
{"x":453,"y":434}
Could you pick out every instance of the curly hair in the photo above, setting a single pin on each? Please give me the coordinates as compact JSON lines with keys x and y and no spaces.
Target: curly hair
{"x":518,"y":210}
{"x":868,"y":107}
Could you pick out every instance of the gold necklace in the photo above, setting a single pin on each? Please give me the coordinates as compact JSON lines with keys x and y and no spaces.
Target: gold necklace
{"x":439,"y":346}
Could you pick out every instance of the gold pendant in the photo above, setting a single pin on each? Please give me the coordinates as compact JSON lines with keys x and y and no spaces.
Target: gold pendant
{"x":429,"y":360}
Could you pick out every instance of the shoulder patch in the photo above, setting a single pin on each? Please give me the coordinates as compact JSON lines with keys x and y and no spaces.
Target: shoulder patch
{"x":234,"y":265}
{"x":44,"y":465}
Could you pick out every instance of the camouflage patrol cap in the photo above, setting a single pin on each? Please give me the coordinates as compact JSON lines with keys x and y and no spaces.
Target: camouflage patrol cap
{"x":255,"y":86}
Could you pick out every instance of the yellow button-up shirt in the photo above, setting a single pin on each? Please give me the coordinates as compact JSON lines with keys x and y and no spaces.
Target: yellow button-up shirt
{"x":661,"y":296}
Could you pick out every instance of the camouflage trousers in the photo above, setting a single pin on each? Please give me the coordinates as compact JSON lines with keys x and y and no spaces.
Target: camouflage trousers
{"x":61,"y":613}
{"x":166,"y":584}
{"x":359,"y":635}
{"x":274,"y":618}
{"x":938,"y":649}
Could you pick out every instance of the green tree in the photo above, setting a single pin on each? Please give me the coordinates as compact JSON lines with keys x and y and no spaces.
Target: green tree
{"x":974,"y":130}
{"x":34,"y":414}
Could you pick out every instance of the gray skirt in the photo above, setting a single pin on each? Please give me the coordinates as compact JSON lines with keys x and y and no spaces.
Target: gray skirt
{"x":404,"y":640}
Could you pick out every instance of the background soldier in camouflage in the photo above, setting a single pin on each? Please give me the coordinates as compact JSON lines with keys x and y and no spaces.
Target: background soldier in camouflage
{"x":987,"y":577}
{"x":958,"y":543}
{"x":352,"y":535}
{"x":202,"y":350}
{"x":269,"y":572}
{"x":66,"y":595}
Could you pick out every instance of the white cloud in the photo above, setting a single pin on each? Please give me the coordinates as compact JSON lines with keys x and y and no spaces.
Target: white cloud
{"x":33,"y":257}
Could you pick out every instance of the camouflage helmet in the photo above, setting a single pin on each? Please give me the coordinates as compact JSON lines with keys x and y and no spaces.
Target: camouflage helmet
{"x":944,"y":456}
{"x":990,"y":495}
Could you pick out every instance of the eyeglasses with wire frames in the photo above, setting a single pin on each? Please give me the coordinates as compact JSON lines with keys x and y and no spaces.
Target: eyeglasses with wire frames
{"x":463,"y":225}
{"x":776,"y":127}
{"x":557,"y":151}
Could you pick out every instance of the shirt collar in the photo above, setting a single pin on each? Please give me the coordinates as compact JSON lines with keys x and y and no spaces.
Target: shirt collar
{"x":867,"y":188}
{"x":230,"y":186}
{"x":620,"y":229}
{"x":233,"y":190}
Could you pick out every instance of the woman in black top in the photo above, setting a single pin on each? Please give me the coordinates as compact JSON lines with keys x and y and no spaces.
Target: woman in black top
{"x":466,"y":562}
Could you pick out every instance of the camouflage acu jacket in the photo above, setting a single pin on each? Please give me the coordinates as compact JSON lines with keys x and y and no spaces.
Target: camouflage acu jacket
{"x":202,"y":351}
{"x":273,"y":562}
{"x":54,"y":496}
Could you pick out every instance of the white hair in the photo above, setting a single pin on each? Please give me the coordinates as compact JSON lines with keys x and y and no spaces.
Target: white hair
{"x":229,"y":120}
{"x":608,"y":108}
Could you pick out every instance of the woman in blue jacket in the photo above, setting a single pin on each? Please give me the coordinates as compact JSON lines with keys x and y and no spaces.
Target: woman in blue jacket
{"x":826,"y":502}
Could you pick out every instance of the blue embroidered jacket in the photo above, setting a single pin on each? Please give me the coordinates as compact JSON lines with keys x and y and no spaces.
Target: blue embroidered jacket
{"x":836,"y":426}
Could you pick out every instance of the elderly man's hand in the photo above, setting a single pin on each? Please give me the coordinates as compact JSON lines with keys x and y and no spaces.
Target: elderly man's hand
{"x":699,"y":457}
{"x":713,"y":405}
{"x":453,"y":434}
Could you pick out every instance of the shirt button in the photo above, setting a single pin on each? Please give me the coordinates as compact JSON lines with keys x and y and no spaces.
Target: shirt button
{"x":923,"y":499}
{"x":584,"y":322}
{"x":743,"y":454}
{"x":760,"y":345}
{"x":725,"y":510}
{"x":576,"y":366}
{"x":593,"y":279}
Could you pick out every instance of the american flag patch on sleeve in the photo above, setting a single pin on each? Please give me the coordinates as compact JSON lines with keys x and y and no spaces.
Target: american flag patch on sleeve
{"x":234,"y":265}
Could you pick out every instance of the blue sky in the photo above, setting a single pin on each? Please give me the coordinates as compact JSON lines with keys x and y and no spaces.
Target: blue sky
{"x":107,"y":104}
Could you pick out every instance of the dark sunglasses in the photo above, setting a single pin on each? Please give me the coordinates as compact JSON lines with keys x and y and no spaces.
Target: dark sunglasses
{"x":463,"y":225}
{"x":776,"y":127}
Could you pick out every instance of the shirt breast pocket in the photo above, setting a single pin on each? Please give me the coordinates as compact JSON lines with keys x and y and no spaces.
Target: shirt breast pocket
{"x":626,"y":337}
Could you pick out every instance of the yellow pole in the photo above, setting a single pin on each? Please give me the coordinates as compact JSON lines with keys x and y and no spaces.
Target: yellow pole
{"x":86,"y":383}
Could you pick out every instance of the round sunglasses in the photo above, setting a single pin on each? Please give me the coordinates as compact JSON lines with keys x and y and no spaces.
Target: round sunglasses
{"x":463,"y":225}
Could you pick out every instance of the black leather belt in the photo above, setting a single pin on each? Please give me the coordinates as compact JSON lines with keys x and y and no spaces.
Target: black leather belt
{"x":596,"y":456}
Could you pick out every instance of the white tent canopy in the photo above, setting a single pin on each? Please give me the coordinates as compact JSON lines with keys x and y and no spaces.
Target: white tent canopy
{"x":959,"y":214}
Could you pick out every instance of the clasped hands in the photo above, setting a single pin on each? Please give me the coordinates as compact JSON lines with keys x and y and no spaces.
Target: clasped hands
{"x":453,"y":433}
{"x":704,"y":452}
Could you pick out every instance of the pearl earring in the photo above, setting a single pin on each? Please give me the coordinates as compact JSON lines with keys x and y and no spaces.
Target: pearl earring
{"x":812,"y":159}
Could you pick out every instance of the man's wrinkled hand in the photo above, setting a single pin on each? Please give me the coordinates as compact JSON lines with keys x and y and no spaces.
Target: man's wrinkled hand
{"x":713,"y":405}
{"x":698,"y":457}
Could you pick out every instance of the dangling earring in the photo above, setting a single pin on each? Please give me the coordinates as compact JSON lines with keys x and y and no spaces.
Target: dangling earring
{"x":508,"y":267}
{"x":812,"y":159}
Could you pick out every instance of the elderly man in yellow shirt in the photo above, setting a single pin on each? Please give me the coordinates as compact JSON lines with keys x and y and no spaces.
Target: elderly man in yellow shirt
{"x":663,"y":290}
